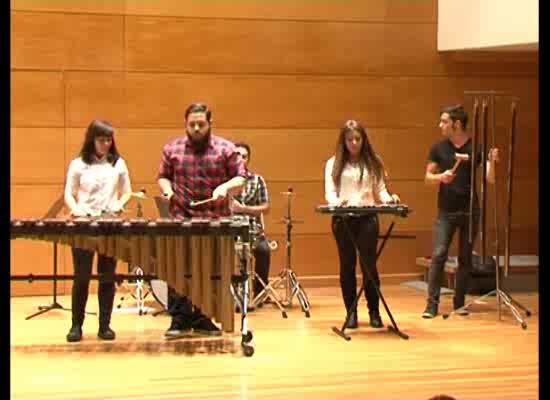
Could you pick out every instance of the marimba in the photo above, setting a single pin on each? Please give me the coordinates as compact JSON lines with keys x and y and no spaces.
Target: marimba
{"x":195,"y":256}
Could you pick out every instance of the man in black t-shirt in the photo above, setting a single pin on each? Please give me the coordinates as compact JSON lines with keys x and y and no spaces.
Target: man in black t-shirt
{"x":453,"y":204}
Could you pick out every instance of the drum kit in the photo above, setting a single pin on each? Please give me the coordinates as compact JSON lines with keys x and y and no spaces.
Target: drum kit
{"x":287,"y":281}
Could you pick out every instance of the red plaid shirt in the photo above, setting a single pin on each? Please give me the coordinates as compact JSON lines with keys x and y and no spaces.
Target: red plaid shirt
{"x":194,"y":175}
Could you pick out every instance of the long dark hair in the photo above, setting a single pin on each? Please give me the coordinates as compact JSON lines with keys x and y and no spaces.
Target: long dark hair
{"x":368,"y":158}
{"x":96,"y":129}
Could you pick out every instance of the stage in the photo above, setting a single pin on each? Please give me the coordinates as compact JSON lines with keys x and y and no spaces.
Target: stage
{"x":474,"y":357}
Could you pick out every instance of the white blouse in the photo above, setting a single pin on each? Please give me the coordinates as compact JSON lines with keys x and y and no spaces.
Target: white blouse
{"x":358,"y":193}
{"x":97,"y":186}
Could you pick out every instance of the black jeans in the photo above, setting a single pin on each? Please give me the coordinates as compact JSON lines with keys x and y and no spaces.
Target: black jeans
{"x":262,"y":257}
{"x":180,"y":308}
{"x":365,"y":231}
{"x":82,"y":260}
{"x":444,"y":228}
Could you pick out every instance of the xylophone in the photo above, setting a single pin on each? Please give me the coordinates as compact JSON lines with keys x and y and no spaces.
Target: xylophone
{"x":401,"y":210}
{"x":195,"y":256}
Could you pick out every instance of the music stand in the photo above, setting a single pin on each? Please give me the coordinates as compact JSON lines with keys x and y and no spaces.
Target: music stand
{"x":52,"y":213}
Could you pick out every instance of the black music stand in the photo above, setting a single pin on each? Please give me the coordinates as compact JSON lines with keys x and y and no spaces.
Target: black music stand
{"x":52,"y":213}
{"x":393,"y":328}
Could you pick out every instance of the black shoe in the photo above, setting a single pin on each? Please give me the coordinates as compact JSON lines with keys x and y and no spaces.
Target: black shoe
{"x":430,"y":311}
{"x":461,"y":311}
{"x":205,"y":326}
{"x":177,"y":330}
{"x":352,"y":321}
{"x":106,"y":333}
{"x":75,"y":334}
{"x":375,"y":319}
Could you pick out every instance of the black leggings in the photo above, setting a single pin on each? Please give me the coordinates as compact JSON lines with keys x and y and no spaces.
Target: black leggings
{"x":82,"y":260}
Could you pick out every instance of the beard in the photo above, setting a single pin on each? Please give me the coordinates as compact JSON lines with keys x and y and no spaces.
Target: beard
{"x":199,"y":144}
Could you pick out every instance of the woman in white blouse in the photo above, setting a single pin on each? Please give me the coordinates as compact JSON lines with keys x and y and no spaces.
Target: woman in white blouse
{"x":98,"y":183}
{"x":354,"y":177}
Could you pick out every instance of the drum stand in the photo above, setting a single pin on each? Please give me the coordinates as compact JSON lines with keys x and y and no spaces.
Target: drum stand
{"x":267,"y":292}
{"x":487,"y":99}
{"x":139,"y":292}
{"x":287,"y":278}
{"x":240,"y":290}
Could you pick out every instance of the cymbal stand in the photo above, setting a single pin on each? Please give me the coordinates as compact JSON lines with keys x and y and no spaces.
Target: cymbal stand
{"x":287,"y":277}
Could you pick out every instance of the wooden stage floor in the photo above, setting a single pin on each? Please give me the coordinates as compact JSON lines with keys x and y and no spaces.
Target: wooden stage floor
{"x":474,"y":357}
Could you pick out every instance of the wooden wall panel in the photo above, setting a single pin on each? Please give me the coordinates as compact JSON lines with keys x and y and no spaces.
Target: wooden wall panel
{"x":421,"y":198}
{"x":141,"y":148}
{"x":37,"y":99}
{"x":36,"y":257}
{"x":71,"y":6}
{"x":50,"y":41}
{"x":299,"y":155}
{"x":295,"y":47}
{"x":33,"y":256}
{"x":316,"y":254}
{"x":404,"y":12}
{"x":159,"y":100}
{"x":91,"y":95}
{"x":298,"y":47}
{"x":37,"y":155}
{"x":351,"y":10}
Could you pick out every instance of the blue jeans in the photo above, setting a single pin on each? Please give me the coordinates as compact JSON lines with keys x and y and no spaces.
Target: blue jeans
{"x":444,"y":229}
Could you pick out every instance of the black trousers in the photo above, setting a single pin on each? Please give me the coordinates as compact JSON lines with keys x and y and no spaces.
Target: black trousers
{"x":82,"y":261}
{"x":444,"y":228}
{"x":262,"y":257}
{"x":365,"y":231}
{"x":183,"y":311}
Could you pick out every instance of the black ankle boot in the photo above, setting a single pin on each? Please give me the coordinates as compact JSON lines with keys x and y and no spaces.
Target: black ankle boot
{"x":106,"y":333}
{"x":375,"y":319}
{"x":75,"y":334}
{"x":352,"y":321}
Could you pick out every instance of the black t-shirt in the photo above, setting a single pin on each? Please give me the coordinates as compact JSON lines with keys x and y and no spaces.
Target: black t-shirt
{"x":454,"y":196}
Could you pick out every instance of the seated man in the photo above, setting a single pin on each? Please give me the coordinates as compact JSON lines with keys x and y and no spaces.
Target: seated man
{"x":254,"y":201}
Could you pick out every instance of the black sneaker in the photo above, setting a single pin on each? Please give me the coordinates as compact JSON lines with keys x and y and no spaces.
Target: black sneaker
{"x":430,"y":311}
{"x":352,"y":321}
{"x":461,"y":311}
{"x":106,"y":333}
{"x":205,"y":326}
{"x":177,"y":330}
{"x":375,"y":319}
{"x":75,"y":334}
